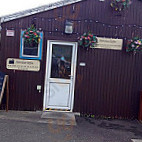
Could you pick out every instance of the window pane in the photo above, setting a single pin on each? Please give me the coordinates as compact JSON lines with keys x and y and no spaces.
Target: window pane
{"x":31,"y":50}
{"x":61,"y":61}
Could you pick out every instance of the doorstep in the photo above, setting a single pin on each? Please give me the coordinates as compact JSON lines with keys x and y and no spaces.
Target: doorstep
{"x":58,"y":118}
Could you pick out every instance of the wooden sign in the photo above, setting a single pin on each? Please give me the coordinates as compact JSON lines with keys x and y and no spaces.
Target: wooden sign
{"x":3,"y":82}
{"x":24,"y":65}
{"x":109,"y":43}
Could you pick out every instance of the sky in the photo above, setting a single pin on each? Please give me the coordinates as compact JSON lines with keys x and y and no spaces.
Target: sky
{"x":11,"y":6}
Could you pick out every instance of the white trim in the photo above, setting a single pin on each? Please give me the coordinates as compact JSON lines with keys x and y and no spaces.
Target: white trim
{"x":48,"y":69}
{"x":37,"y":10}
{"x":54,"y":80}
{"x":46,"y":74}
{"x":74,"y":74}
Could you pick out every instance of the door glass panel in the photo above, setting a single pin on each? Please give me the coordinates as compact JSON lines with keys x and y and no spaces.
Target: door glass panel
{"x":61,"y":61}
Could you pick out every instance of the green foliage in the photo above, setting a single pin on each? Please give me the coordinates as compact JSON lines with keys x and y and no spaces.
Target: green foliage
{"x":134,"y":45}
{"x":87,"y":40}
{"x":120,"y":5}
{"x":31,"y":36}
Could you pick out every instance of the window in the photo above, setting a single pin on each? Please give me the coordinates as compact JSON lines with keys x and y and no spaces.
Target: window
{"x":31,"y":51}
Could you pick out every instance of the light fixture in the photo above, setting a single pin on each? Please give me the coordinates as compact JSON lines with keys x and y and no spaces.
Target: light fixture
{"x":68,"y":27}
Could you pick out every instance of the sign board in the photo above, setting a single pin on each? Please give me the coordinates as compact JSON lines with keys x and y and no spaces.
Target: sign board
{"x":24,"y":65}
{"x":3,"y":82}
{"x":2,"y":78}
{"x":109,"y":43}
{"x":10,"y":32}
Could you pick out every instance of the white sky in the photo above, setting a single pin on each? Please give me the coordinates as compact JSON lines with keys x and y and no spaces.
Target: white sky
{"x":11,"y":6}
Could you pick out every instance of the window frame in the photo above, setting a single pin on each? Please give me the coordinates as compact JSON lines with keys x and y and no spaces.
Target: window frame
{"x":39,"y":56}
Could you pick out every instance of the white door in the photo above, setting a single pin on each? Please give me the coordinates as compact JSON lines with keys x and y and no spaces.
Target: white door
{"x":60,"y":75}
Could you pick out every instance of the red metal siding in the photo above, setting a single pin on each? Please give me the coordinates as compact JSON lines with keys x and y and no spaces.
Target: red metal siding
{"x":110,"y":82}
{"x":140,"y":108}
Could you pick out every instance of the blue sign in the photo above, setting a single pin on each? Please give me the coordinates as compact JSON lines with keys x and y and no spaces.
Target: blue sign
{"x":2,"y":76}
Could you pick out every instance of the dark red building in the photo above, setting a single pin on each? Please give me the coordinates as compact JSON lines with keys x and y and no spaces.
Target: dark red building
{"x":59,"y":75}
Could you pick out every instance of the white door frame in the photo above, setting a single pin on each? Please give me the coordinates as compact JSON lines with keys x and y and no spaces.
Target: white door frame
{"x":48,"y":58}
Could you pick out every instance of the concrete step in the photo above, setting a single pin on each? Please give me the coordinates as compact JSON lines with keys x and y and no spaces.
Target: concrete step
{"x":60,"y":118}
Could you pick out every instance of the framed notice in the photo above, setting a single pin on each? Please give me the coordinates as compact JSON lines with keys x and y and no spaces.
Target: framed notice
{"x":31,"y":52}
{"x":10,"y":33}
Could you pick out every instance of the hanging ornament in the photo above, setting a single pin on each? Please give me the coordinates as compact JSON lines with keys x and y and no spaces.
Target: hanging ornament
{"x":134,"y":45}
{"x":120,"y":5}
{"x":31,"y":37}
{"x":87,"y":40}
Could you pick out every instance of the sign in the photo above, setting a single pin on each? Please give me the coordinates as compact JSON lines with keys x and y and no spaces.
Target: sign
{"x":24,"y":65}
{"x":10,"y":32}
{"x":82,"y":64}
{"x":109,"y":43}
{"x":2,"y":77}
{"x":3,"y":82}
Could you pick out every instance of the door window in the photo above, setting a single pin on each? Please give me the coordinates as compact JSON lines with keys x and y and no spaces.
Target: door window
{"x":61,"y":61}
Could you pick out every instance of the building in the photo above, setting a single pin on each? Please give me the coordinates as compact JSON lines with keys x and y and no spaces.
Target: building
{"x":105,"y":81}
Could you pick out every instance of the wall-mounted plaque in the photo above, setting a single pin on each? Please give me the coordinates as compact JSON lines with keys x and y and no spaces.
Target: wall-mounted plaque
{"x":10,"y":32}
{"x":23,"y":65}
{"x":109,"y":43}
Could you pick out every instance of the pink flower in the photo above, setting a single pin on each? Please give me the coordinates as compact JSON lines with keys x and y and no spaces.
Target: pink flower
{"x":89,"y":38}
{"x":26,"y":36}
{"x":35,"y":34}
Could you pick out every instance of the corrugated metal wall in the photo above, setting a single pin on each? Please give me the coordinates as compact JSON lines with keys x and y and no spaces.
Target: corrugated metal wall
{"x":110,"y":82}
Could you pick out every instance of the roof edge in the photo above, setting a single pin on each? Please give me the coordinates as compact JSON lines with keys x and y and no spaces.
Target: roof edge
{"x":37,"y":10}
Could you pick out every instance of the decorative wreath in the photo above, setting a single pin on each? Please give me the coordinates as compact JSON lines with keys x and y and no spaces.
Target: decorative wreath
{"x":120,"y":5}
{"x":31,"y":36}
{"x":87,"y":40}
{"x":134,"y":45}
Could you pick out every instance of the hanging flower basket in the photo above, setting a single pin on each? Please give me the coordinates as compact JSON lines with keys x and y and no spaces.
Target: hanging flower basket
{"x":31,"y":37}
{"x":87,"y":40}
{"x":134,"y":45}
{"x":120,"y":5}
